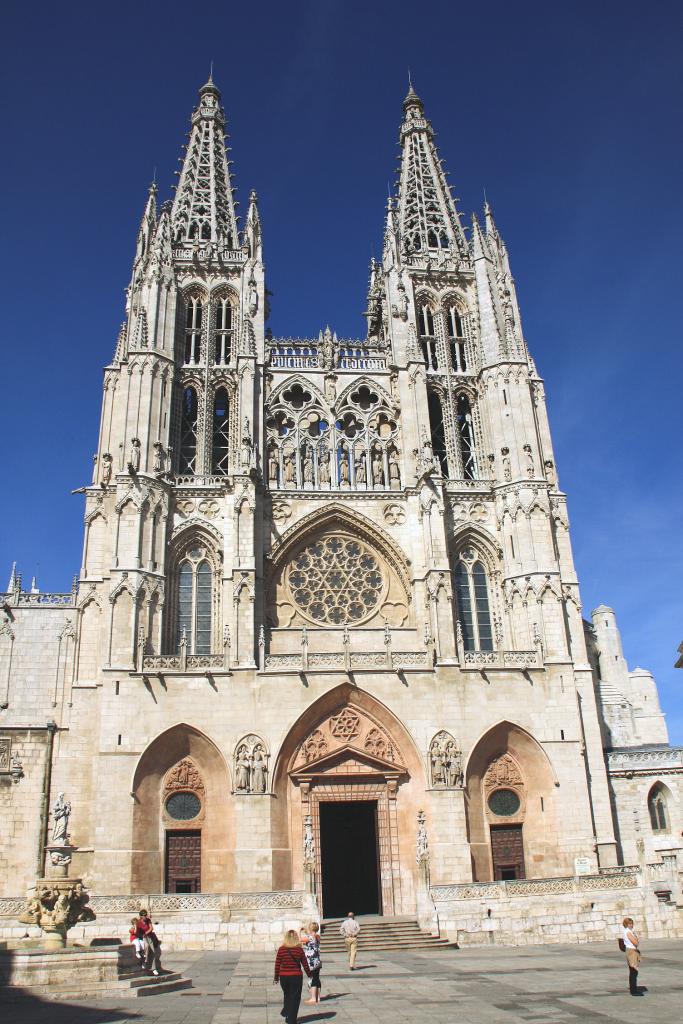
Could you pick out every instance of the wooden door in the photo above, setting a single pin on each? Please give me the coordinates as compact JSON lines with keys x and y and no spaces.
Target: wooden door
{"x":507,"y":848}
{"x":183,"y":861}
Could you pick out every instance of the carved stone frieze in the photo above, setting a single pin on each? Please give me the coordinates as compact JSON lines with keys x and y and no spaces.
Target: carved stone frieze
{"x":184,"y":776}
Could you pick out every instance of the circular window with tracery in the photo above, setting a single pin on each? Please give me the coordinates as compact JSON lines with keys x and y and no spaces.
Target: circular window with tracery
{"x":504,"y":802}
{"x":336,"y":581}
{"x":183,"y":806}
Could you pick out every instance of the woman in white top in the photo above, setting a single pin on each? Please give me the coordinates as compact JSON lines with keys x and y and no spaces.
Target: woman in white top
{"x":631,"y":944}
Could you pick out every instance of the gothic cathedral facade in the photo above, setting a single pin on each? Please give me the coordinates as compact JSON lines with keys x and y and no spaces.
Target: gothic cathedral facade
{"x":326,"y":642}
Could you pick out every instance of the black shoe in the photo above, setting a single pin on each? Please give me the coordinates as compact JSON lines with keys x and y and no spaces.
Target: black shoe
{"x":637,"y":993}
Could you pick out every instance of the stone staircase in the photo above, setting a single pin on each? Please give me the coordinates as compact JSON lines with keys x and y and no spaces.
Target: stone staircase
{"x":381,"y":933}
{"x":129,"y":986}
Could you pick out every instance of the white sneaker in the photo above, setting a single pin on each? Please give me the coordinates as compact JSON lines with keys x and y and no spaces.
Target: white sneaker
{"x":155,"y":972}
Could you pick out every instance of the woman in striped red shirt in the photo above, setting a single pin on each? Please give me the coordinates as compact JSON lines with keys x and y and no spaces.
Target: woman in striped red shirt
{"x":289,"y":961}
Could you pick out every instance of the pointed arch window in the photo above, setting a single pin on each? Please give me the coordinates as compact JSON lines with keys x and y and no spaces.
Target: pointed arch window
{"x":466,"y":437}
{"x":193,"y":331}
{"x":194,"y":602}
{"x":473,"y":602}
{"x":456,"y":340}
{"x":223,"y":334}
{"x":188,"y":432}
{"x":220,"y":456}
{"x":428,"y":337}
{"x":437,"y":430}
{"x":658,"y":810}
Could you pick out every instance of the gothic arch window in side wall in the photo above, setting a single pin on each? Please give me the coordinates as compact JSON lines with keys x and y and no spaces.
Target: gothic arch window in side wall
{"x":466,"y":438}
{"x":220,"y":456}
{"x":193,"y":331}
{"x":188,"y":433}
{"x":437,"y":430}
{"x":223,"y":332}
{"x":656,"y":805}
{"x":473,"y":602}
{"x":194,"y":602}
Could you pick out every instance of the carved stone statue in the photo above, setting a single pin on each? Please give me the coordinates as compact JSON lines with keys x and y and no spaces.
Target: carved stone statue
{"x":453,"y":764}
{"x":394,"y":471}
{"x":253,"y":297}
{"x":290,"y":467}
{"x":309,"y":842}
{"x":242,"y":770}
{"x":134,"y":460}
{"x":272,"y":467}
{"x":550,"y":472}
{"x":323,"y":465}
{"x":530,"y":468}
{"x":308,"y":466}
{"x":107,"y":465}
{"x":377,"y":469}
{"x":258,"y":771}
{"x":246,"y":447}
{"x":326,"y":350}
{"x":361,"y":470}
{"x":158,"y":457}
{"x":438,"y":765}
{"x":422,"y":844}
{"x":61,"y":812}
{"x":344,"y":468}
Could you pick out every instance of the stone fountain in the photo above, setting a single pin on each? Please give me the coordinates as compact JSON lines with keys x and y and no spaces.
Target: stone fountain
{"x":58,"y":902}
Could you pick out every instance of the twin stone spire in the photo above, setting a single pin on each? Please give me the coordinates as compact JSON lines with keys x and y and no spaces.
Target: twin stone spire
{"x":422,"y":217}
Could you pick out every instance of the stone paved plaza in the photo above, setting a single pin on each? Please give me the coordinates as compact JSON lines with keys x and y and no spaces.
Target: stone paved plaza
{"x":481,"y":986}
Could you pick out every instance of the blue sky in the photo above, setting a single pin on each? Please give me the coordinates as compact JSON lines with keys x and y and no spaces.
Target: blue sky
{"x":567,"y":114}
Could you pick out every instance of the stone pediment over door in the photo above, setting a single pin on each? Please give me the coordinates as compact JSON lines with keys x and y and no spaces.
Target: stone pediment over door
{"x":349,"y":761}
{"x":347,"y":742}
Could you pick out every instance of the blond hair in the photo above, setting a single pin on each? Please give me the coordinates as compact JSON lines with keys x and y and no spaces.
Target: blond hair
{"x":313,"y":927}
{"x":290,"y":938}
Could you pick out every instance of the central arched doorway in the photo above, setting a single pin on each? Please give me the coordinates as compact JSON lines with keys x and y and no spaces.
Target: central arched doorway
{"x":349,"y":770}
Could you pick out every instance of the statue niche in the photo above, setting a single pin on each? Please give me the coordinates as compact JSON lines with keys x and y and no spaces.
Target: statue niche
{"x":251,"y":766}
{"x":445,"y":761}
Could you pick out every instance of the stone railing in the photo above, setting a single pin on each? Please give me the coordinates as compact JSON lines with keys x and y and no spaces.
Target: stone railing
{"x":174,"y":903}
{"x":624,"y":879}
{"x":302,"y":354}
{"x":201,"y":481}
{"x":347,"y":660}
{"x":483,"y":660}
{"x":639,"y":760}
{"x":24,"y":598}
{"x":159,"y":663}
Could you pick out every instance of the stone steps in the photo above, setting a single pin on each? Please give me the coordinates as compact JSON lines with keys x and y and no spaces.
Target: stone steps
{"x":381,"y":934}
{"x":133,"y":986}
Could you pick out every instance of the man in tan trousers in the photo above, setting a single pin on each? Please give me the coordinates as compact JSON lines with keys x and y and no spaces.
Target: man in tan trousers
{"x":350,"y":929}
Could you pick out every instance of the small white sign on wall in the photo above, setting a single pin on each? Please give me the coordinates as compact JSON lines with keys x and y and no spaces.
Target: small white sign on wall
{"x":582,"y":866}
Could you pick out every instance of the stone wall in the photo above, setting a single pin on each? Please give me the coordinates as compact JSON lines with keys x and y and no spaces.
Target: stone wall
{"x":21,"y":796}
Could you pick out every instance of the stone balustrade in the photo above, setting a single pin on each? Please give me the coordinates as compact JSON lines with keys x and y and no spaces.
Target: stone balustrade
{"x":618,"y":878}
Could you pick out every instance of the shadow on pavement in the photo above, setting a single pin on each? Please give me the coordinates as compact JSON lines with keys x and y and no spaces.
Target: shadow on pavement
{"x":23,"y":1006}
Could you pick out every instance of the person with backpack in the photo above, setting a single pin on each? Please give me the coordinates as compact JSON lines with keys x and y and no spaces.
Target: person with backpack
{"x":310,"y":938}
{"x":629,"y":944}
{"x":289,"y":962}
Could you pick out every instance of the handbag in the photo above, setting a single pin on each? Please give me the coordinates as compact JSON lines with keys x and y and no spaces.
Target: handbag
{"x":622,"y":945}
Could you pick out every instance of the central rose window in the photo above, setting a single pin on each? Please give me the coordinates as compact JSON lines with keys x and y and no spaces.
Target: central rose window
{"x":336,"y":581}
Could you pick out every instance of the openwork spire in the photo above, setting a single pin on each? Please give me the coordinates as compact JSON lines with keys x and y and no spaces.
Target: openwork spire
{"x":204,"y":206}
{"x":428,"y":217}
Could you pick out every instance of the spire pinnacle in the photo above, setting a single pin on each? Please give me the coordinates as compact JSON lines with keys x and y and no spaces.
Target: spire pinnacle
{"x":428,"y":217}
{"x":204,"y":205}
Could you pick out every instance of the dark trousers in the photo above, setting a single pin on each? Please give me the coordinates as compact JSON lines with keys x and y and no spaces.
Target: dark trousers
{"x":291,"y":990}
{"x":632,"y":980}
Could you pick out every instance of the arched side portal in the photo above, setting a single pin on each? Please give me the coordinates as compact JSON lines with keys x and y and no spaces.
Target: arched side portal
{"x":181,"y":790}
{"x":349,"y":776}
{"x":512,"y":807}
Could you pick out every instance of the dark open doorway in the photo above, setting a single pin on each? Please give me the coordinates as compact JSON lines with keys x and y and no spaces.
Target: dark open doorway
{"x":349,"y":857}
